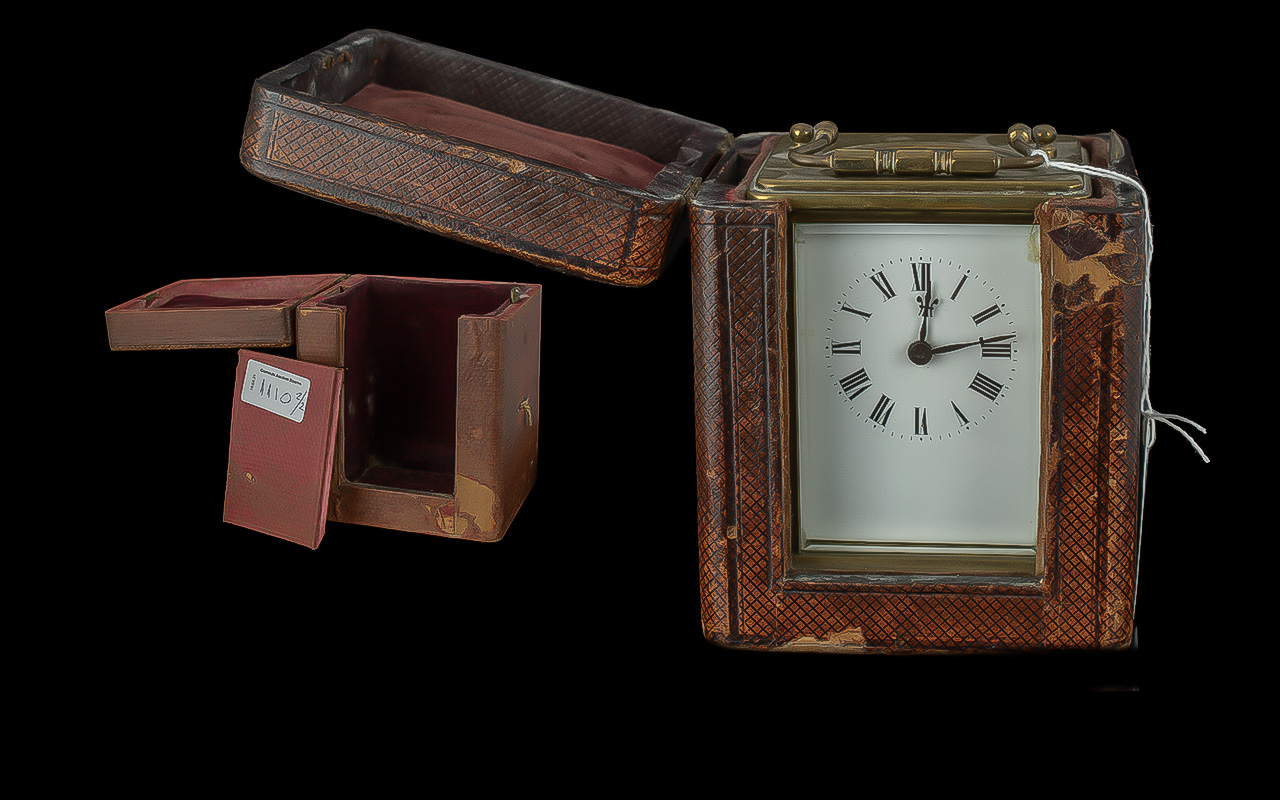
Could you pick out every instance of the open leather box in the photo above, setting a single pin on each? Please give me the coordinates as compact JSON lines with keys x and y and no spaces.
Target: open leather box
{"x":562,"y":176}
{"x":413,"y":404}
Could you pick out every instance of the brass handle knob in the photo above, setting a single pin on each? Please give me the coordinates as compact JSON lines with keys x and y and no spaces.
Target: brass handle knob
{"x":1023,"y":139}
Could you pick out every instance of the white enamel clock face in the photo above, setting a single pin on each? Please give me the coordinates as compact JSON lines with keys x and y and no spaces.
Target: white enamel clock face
{"x":919,"y":369}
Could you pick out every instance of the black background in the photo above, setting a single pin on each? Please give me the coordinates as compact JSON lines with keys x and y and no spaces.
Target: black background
{"x":592,"y":597}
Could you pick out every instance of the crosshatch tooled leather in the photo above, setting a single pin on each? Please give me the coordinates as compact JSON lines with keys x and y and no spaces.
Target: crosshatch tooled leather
{"x":298,"y":134}
{"x":1084,"y":600}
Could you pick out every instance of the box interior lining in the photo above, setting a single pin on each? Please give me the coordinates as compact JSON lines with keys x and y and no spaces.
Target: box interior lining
{"x":469,"y":98}
{"x":400,"y":391}
{"x":214,"y":301}
{"x":196,"y":293}
{"x":469,"y":123}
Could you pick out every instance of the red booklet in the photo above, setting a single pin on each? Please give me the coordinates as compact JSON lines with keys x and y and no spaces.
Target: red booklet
{"x":284,"y":425}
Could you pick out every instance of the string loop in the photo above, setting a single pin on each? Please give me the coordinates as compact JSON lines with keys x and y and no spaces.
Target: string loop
{"x":1148,"y":412}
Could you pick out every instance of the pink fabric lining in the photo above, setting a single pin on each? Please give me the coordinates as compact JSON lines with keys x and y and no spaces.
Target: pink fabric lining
{"x":449,"y":117}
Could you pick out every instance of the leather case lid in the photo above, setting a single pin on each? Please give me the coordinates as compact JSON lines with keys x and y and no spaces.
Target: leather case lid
{"x":217,"y":312}
{"x":303,"y":133}
{"x":284,"y":424}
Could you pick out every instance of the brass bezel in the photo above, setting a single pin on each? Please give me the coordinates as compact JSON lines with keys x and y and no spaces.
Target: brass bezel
{"x":861,"y":568}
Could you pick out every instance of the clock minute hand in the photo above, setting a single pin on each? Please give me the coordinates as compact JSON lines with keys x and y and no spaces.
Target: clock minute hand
{"x":947,"y":348}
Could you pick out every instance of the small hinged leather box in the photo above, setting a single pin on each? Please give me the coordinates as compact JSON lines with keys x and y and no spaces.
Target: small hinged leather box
{"x":413,"y":403}
{"x":561,"y":176}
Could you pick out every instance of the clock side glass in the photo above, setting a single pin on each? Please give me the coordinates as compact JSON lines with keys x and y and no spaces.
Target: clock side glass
{"x":919,"y":388}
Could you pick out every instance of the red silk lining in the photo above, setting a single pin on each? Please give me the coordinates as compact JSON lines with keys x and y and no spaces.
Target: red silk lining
{"x":451,"y":118}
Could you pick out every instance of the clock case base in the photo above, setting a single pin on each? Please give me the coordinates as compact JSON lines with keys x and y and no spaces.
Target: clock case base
{"x":434,"y":428}
{"x":757,"y":593}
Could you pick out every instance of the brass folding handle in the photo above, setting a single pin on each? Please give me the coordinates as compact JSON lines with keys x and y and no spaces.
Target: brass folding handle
{"x":813,"y":145}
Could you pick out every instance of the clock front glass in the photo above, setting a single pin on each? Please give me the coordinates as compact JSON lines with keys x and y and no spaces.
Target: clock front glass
{"x":918,"y":353}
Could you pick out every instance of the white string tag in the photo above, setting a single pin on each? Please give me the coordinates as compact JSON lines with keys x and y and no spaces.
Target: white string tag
{"x":1172,"y":420}
{"x":1148,"y":412}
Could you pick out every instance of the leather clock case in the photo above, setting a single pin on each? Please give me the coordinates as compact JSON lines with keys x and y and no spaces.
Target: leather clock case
{"x":564,"y":177}
{"x":751,"y":598}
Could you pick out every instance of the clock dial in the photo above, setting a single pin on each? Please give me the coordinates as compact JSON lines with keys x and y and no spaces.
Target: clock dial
{"x":949,"y":343}
{"x":918,"y":360}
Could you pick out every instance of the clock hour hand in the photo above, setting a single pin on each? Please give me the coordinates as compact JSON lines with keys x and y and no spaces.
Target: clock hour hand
{"x":948,"y":348}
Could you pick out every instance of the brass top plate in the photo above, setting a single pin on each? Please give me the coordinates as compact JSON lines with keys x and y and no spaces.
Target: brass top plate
{"x":1013,"y":190}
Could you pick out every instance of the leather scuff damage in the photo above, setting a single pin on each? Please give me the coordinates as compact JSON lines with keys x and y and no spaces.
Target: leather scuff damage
{"x":475,"y":506}
{"x":1103,"y":252}
{"x":846,"y":640}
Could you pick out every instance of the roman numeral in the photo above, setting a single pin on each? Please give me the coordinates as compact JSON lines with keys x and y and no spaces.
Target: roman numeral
{"x":862,"y":314}
{"x":997,"y":349}
{"x":920,"y":276}
{"x":959,"y":286}
{"x":985,"y":314}
{"x":847,"y":348}
{"x":880,"y":414}
{"x":882,"y":283}
{"x":959,"y":414}
{"x":985,"y":386}
{"x":855,"y":384}
{"x":922,"y":424}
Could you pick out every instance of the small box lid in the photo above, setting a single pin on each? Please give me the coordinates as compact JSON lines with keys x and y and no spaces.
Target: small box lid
{"x":284,"y":426}
{"x":214,"y":312}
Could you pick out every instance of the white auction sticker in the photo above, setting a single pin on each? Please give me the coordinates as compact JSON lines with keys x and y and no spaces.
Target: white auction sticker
{"x":275,"y":390}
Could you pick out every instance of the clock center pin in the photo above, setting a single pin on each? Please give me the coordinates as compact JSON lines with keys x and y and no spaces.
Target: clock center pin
{"x":920,"y":352}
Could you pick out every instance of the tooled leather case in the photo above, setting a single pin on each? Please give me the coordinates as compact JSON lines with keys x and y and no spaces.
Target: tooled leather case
{"x":1094,"y":248}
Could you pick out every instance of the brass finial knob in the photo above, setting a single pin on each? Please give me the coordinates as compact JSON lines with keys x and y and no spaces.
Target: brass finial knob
{"x":802,"y":133}
{"x":1045,"y":136}
{"x":1020,"y":138}
{"x":1042,"y":137}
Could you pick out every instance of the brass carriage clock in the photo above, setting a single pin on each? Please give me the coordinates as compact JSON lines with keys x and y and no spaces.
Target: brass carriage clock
{"x":919,"y":392}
